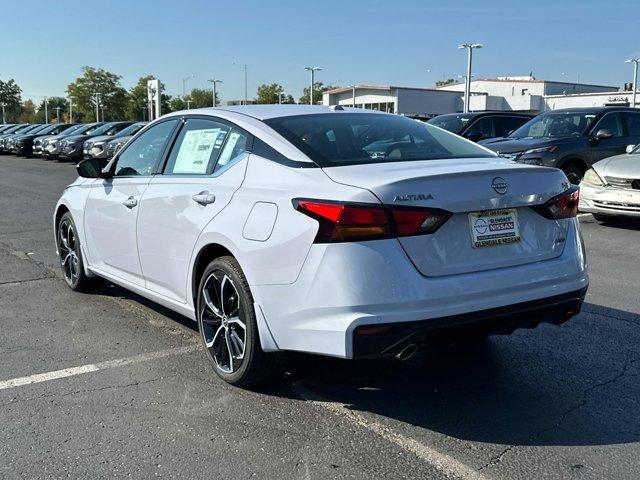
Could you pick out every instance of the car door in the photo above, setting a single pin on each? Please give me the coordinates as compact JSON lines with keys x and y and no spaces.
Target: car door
{"x":112,"y":206}
{"x":607,"y":147}
{"x":204,"y":168}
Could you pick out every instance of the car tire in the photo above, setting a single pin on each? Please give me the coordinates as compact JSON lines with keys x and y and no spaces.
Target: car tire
{"x":70,"y":255}
{"x":228,"y":326}
{"x":573,"y":172}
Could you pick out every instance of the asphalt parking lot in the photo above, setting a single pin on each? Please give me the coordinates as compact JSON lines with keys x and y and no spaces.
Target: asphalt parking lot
{"x":109,"y":385}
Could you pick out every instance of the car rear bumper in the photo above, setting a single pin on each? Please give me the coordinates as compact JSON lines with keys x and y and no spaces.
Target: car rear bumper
{"x":347,"y":285}
{"x":394,"y":338}
{"x":609,"y":201}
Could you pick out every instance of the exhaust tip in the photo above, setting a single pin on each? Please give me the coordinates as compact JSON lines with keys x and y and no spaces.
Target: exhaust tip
{"x":407,"y":352}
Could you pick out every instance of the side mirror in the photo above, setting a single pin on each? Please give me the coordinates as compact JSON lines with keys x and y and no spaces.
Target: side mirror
{"x":604,"y":134}
{"x":630,"y":149}
{"x":90,"y":168}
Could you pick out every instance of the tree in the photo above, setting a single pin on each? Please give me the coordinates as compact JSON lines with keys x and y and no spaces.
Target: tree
{"x":52,"y":104}
{"x":318,"y":89}
{"x":97,"y":84}
{"x":137,"y":106}
{"x":443,"y":83}
{"x":27,"y":112}
{"x":10,"y":97}
{"x":197,"y":98}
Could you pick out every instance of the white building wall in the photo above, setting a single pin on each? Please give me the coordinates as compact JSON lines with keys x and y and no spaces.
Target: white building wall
{"x":590,"y":100}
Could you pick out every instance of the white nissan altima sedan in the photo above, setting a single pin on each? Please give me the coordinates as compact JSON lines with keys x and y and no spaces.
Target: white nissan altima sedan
{"x":340,"y":232}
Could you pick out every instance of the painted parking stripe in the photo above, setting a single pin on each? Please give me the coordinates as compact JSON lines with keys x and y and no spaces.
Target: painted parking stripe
{"x":445,"y":464}
{"x":93,"y":367}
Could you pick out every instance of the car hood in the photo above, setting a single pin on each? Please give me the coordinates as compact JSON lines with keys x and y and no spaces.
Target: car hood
{"x":77,"y":138}
{"x":124,"y":139}
{"x":511,"y":145}
{"x":100,"y":137}
{"x":621,"y":166}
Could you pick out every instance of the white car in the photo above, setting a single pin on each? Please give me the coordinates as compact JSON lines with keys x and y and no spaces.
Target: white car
{"x":334,"y":231}
{"x":612,"y":187}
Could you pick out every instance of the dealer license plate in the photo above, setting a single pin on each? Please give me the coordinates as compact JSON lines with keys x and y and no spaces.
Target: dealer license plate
{"x":494,"y":227}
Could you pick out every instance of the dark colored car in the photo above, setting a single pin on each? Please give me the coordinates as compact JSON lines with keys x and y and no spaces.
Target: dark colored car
{"x":478,"y":126}
{"x":98,"y":147}
{"x":571,"y":139}
{"x":23,"y":144}
{"x":51,"y":146}
{"x":6,"y":126}
{"x":39,"y":142}
{"x":71,"y":147}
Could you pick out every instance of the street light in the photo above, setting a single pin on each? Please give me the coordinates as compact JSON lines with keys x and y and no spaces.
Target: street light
{"x":635,"y":62}
{"x":245,"y":80}
{"x":3,"y":117}
{"x":312,"y":70}
{"x":70,"y":110}
{"x":353,"y":96}
{"x":46,"y":112}
{"x":184,"y":85}
{"x":213,"y":82}
{"x":57,"y":109}
{"x":467,"y":85}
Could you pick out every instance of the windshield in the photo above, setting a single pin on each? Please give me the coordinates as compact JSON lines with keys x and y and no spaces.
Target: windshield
{"x":131,"y":130}
{"x":452,"y":122}
{"x":550,"y":125}
{"x":337,"y":139}
{"x":46,"y":129}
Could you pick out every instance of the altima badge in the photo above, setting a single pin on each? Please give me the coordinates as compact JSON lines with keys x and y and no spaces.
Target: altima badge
{"x":499,"y":184}
{"x":412,"y":198}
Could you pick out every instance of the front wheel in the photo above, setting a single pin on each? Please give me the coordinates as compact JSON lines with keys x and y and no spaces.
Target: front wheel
{"x":574,"y":173}
{"x":70,"y":256}
{"x":228,"y":327}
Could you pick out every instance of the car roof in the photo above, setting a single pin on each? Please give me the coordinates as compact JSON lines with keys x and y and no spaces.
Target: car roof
{"x":264,"y":112}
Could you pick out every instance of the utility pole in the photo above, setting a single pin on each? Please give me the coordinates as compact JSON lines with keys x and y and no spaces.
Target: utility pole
{"x":467,"y":85}
{"x":97,"y":95}
{"x":3,"y":117}
{"x":635,"y":62}
{"x":213,"y":82}
{"x":46,"y":112}
{"x":313,"y":70}
{"x":70,"y":110}
{"x":57,"y":109}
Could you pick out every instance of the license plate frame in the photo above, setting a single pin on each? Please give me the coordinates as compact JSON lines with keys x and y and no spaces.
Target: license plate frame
{"x":491,"y":228}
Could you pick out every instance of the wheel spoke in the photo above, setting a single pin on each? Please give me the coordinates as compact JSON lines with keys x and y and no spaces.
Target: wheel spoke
{"x":239,"y":322}
{"x":237,"y":343}
{"x":209,"y":303}
{"x":213,"y":340}
{"x":228,"y":342}
{"x":229,"y":301}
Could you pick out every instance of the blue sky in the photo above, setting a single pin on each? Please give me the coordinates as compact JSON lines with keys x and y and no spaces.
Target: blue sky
{"x":401,"y":42}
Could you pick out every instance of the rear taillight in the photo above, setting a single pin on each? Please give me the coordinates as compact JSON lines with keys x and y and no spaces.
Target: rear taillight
{"x":343,"y":222}
{"x":564,"y":205}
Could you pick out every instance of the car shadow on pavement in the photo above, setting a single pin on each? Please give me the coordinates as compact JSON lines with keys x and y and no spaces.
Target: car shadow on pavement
{"x":571,"y":385}
{"x":620,"y":223}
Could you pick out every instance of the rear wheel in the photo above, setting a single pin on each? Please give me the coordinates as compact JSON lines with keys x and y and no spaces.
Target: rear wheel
{"x":70,"y":256}
{"x":573,"y":172}
{"x":228,"y":327}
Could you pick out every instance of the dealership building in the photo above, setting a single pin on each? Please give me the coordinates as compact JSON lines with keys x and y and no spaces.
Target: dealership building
{"x":515,"y":94}
{"x":410,"y":101}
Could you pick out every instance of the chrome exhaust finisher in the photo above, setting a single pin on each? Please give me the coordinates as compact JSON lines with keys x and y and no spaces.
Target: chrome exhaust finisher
{"x":407,"y":352}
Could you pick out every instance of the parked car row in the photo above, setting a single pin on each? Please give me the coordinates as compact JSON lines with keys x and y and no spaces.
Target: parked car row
{"x":66,"y":141}
{"x":570,"y":139}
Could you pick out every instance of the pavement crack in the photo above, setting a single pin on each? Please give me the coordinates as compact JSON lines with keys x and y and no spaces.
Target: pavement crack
{"x":496,"y":459}
{"x":28,"y":280}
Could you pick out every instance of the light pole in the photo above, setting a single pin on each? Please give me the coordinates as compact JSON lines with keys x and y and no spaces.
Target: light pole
{"x":144,"y":109}
{"x":46,"y":112}
{"x":635,"y":62}
{"x":213,"y":82}
{"x":188,"y":104}
{"x":353,"y":96}
{"x":467,"y":85}
{"x":244,"y":65}
{"x":312,"y":70}
{"x":3,"y":117}
{"x":70,"y":110}
{"x":97,"y":95}
{"x":184,"y":85}
{"x":57,"y":109}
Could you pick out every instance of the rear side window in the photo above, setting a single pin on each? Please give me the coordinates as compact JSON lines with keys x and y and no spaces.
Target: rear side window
{"x":633,"y":123}
{"x":197,"y":147}
{"x":335,"y":139}
{"x":505,"y":125}
{"x":482,"y":128}
{"x":611,"y":121}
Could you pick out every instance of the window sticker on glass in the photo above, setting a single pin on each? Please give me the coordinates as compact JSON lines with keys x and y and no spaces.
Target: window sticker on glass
{"x":229,"y":148}
{"x":196,"y":148}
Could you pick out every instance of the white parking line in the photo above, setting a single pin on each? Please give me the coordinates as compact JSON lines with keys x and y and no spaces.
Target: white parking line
{"x":446,"y":464}
{"x":93,"y":367}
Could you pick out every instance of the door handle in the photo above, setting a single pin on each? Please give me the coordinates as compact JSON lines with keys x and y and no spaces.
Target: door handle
{"x":130,"y":202}
{"x":204,"y":198}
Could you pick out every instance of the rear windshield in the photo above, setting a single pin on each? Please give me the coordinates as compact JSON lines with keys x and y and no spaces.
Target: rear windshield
{"x":337,"y":139}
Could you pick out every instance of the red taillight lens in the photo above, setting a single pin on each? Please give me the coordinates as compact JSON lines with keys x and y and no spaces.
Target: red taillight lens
{"x":416,"y":221}
{"x":342,"y":222}
{"x":564,"y":205}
